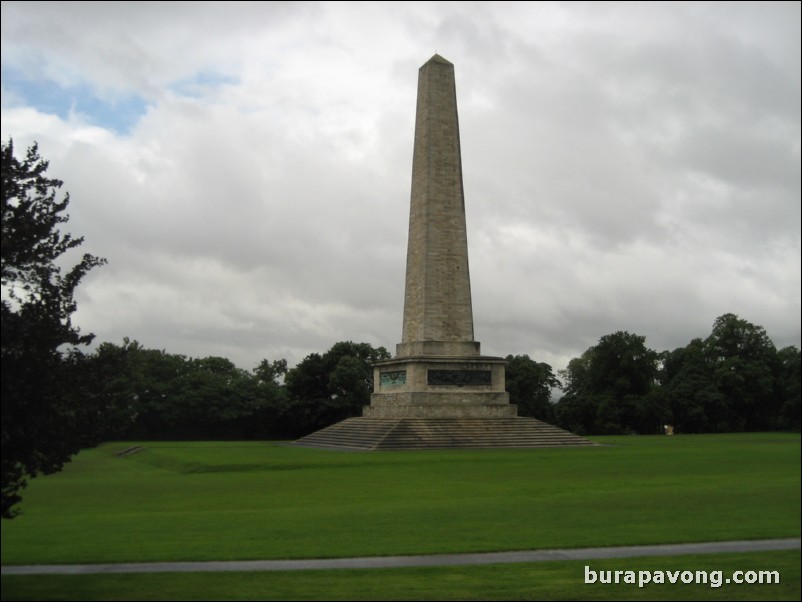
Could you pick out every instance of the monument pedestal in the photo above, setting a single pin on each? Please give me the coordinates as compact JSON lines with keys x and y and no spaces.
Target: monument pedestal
{"x":439,"y":387}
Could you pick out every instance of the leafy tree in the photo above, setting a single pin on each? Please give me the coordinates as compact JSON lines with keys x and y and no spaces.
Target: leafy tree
{"x":269,"y":373}
{"x":577,"y":414}
{"x":576,"y":375}
{"x":622,"y":366}
{"x":147,"y":380}
{"x":271,"y":396}
{"x":576,"y":410}
{"x":695,"y":402}
{"x":209,"y":397}
{"x":733,"y":380}
{"x":41,"y":430}
{"x":745,"y":370}
{"x":608,"y":389}
{"x":529,"y":384}
{"x":91,"y":387}
{"x":324,"y":389}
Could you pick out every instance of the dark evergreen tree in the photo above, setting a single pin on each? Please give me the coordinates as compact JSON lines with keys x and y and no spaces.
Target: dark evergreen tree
{"x":41,"y":428}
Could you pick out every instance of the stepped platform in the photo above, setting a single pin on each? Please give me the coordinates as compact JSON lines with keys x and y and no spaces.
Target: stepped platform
{"x":376,"y":434}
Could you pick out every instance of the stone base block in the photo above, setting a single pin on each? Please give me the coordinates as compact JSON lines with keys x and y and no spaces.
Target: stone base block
{"x":457,"y":396}
{"x":440,"y":410}
{"x":440,"y":404}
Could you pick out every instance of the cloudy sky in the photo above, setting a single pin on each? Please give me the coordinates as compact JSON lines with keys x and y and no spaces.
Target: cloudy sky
{"x":245,"y":167}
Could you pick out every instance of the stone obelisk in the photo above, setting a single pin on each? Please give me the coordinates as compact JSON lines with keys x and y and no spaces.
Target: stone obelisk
{"x":438,"y":391}
{"x":438,"y":316}
{"x":438,"y":370}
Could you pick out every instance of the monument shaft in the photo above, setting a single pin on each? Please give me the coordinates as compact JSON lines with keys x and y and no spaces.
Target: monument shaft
{"x":437,"y":301}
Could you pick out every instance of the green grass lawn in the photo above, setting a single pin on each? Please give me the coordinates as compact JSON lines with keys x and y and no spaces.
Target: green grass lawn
{"x":223,"y":500}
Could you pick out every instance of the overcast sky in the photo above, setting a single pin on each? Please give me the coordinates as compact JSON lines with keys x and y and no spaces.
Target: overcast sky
{"x":245,"y":167}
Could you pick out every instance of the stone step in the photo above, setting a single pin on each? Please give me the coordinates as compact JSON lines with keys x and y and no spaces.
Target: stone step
{"x":366,"y":433}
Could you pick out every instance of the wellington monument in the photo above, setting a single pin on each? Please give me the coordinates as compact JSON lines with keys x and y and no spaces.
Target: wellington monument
{"x":438,"y":391}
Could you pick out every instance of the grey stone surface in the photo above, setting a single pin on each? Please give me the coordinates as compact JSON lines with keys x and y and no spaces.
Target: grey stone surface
{"x":438,"y":431}
{"x":440,"y":405}
{"x":437,"y":301}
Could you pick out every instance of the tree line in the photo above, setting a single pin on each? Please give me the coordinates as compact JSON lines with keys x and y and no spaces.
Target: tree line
{"x":57,"y":399}
{"x":152,"y":394}
{"x":733,"y":380}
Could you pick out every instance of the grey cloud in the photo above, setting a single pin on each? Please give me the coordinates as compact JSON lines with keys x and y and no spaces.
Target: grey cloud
{"x":626,"y":168}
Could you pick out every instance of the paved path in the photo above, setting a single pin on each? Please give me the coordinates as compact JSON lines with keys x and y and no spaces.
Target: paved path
{"x":374,"y":562}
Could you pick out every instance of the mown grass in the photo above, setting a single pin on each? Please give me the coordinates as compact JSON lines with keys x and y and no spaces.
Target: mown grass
{"x":531,"y":581}
{"x":221,"y":501}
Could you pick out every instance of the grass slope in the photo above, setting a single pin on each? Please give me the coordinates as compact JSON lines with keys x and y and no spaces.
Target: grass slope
{"x":220,"y":501}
